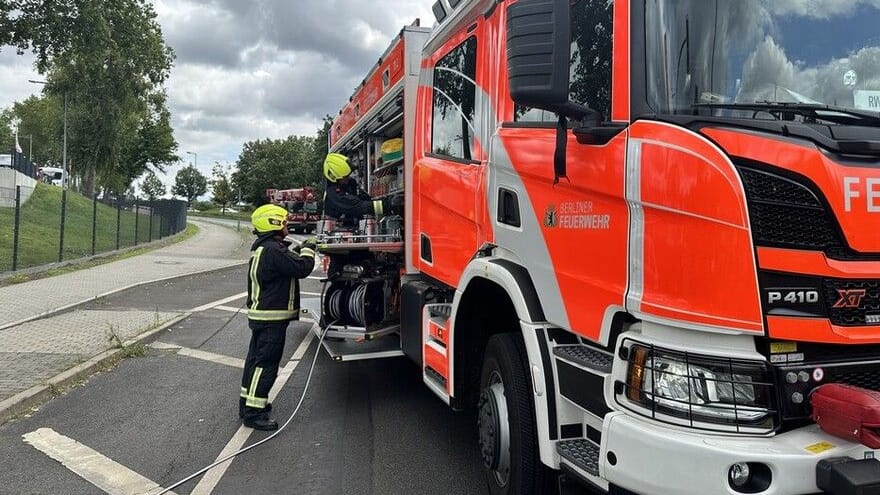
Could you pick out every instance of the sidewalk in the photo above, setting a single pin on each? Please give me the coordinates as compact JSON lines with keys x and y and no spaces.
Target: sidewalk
{"x":37,"y":348}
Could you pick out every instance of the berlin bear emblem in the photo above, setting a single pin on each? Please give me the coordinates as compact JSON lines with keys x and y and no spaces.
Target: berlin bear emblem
{"x":550,"y":217}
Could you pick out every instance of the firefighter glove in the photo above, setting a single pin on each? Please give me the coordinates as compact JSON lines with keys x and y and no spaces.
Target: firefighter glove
{"x":307,"y":247}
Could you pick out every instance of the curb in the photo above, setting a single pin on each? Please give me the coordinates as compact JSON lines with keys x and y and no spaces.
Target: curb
{"x":22,"y":402}
{"x":53,"y":312}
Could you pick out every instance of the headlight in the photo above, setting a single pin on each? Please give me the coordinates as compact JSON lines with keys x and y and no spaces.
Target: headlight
{"x":699,"y":391}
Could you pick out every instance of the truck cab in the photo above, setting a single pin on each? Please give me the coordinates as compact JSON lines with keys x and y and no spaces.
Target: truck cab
{"x":641,"y":237}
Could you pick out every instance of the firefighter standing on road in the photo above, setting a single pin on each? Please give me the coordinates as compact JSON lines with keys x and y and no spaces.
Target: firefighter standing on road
{"x":273,"y":301}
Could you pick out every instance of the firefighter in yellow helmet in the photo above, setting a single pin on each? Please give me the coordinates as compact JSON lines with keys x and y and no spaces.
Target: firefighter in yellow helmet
{"x":272,"y":301}
{"x":343,"y":200}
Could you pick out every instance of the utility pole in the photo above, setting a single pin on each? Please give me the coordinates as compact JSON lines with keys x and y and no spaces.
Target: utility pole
{"x":64,"y":153}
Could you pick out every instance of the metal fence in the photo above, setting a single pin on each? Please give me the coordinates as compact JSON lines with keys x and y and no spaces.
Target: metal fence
{"x":55,"y":225}
{"x":23,"y":164}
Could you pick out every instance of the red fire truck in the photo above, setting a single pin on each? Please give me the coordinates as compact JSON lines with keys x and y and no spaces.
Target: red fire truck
{"x":302,"y":207}
{"x":641,"y":238}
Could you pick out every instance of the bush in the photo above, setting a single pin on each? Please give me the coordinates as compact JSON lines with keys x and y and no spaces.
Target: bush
{"x":202,"y":205}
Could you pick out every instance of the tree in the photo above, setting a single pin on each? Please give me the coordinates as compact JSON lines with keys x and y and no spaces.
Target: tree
{"x":152,"y":186}
{"x":152,"y":144}
{"x":189,"y":183}
{"x":6,"y":136}
{"x":221,"y":187}
{"x":40,"y":118}
{"x":276,"y":164}
{"x":110,"y":60}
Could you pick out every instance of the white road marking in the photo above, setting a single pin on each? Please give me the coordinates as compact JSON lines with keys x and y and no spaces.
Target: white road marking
{"x":312,"y":277}
{"x":162,"y":346}
{"x":230,"y":309}
{"x":198,"y":354}
{"x":310,"y":293}
{"x":210,"y":480}
{"x":217,"y":303}
{"x":210,"y":356}
{"x":99,"y":470}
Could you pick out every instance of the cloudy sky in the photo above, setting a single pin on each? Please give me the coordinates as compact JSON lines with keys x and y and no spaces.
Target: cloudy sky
{"x":255,"y":69}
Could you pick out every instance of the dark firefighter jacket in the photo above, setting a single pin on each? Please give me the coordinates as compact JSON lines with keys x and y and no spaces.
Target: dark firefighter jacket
{"x":345,"y":200}
{"x":273,"y":279}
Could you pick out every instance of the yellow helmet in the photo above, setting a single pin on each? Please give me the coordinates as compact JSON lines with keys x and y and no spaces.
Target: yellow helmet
{"x":268,"y":218}
{"x":336,"y":167}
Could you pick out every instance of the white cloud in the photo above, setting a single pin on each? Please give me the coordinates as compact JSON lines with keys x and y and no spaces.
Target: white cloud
{"x":255,"y":69}
{"x":768,"y":73}
{"x":820,"y":9}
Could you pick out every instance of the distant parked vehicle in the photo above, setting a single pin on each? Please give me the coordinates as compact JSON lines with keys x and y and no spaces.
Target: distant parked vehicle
{"x":52,"y":175}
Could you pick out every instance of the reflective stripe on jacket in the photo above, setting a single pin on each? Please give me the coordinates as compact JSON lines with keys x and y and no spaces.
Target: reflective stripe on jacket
{"x":273,"y":279}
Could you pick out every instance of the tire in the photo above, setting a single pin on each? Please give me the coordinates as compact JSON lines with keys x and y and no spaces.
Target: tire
{"x":505,"y":364}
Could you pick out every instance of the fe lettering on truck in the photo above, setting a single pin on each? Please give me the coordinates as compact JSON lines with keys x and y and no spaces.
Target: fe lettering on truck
{"x":854,"y":189}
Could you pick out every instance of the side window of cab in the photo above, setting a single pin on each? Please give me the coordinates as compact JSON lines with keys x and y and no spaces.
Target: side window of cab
{"x":591,"y":51}
{"x":454,"y":102}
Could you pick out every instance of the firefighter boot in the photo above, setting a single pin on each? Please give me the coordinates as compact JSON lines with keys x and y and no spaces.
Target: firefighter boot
{"x":260,"y":422}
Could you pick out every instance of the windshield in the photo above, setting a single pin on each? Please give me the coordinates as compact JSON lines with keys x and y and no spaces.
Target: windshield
{"x":730,"y":52}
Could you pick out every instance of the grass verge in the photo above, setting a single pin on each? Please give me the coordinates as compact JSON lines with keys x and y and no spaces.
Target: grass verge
{"x":190,"y":231}
{"x":40,"y":228}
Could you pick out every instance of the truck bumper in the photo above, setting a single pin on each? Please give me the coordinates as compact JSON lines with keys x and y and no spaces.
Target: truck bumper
{"x":655,"y":459}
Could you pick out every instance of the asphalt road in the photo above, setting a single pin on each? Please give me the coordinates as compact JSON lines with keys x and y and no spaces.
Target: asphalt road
{"x":367,"y":427}
{"x":227,"y":222}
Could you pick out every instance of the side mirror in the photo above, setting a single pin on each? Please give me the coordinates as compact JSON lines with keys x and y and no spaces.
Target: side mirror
{"x":538,"y":52}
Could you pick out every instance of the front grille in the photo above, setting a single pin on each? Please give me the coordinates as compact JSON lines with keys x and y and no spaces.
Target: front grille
{"x":865,"y":378}
{"x":766,"y":187}
{"x":854,"y":307}
{"x":787,"y":213}
{"x":784,"y":225}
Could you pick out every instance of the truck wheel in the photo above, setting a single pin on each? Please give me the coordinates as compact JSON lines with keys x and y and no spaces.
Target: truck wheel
{"x":506,"y":421}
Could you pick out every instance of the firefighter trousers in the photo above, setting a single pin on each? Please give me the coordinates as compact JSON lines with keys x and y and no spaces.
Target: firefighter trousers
{"x":261,"y":366}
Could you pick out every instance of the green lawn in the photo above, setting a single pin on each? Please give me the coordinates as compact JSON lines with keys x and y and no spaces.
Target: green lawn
{"x":40,"y":226}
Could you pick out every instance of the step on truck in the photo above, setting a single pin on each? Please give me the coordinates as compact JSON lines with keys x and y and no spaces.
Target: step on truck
{"x":641,"y":238}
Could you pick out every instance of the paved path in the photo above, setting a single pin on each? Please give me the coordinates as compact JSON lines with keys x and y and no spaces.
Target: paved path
{"x":212,"y":248}
{"x":40,"y":341}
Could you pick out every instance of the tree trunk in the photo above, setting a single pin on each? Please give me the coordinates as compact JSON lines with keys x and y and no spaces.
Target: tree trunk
{"x":88,"y":183}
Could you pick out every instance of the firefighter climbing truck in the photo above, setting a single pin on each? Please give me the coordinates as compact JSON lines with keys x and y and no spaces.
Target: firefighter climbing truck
{"x":641,"y":238}
{"x":302,"y":207}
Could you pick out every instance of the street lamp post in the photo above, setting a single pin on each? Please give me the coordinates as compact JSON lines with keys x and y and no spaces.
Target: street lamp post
{"x":196,"y":155}
{"x":64,"y":153}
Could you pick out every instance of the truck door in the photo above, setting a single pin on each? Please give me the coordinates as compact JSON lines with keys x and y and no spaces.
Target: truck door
{"x":450,"y":171}
{"x":571,"y":236}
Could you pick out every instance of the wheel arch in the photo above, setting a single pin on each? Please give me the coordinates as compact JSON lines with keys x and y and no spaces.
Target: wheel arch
{"x":495,"y":296}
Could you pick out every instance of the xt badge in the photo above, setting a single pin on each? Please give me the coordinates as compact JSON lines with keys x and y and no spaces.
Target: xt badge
{"x":849,"y":298}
